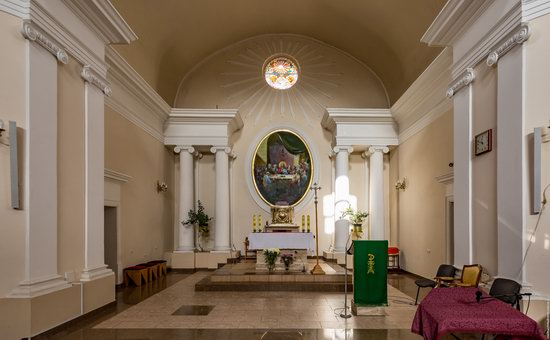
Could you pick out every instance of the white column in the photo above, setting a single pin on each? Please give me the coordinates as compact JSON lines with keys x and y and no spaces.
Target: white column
{"x":513,"y":189}
{"x":341,"y":196}
{"x":186,"y":234}
{"x":40,"y":166}
{"x":94,"y":239}
{"x":377,"y":206}
{"x":222,"y":221}
{"x":365,"y":155}
{"x":461,"y":92}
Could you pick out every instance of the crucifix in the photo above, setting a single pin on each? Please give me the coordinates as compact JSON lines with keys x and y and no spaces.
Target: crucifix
{"x":317,"y":268}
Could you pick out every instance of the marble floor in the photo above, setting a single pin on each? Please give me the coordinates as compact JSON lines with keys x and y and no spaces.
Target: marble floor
{"x":167,"y":313}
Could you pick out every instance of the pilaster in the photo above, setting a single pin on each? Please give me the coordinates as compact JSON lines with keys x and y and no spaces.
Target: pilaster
{"x":376,"y":193}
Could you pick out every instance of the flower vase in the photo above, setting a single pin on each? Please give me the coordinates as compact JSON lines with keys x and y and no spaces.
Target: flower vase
{"x":270,"y":267}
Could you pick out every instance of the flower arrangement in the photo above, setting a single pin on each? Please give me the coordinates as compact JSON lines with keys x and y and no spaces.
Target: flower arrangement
{"x":354,"y":216}
{"x":200,"y":218}
{"x":270,"y":256}
{"x":287,"y":259}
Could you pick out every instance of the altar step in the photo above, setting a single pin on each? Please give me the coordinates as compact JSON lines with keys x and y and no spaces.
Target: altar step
{"x":244,"y":277}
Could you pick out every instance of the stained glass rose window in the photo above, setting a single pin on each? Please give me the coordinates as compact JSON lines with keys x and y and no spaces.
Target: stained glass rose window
{"x":281,"y":73}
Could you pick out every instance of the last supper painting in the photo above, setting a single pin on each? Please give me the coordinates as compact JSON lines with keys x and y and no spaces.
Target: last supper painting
{"x":282,"y":168}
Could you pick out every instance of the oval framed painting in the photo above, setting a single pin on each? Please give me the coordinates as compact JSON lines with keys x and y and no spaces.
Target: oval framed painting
{"x":282,"y":168}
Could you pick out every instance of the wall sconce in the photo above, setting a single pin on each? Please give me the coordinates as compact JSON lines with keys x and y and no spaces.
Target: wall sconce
{"x":162,"y":187}
{"x":401,"y":184}
{"x":2,"y":129}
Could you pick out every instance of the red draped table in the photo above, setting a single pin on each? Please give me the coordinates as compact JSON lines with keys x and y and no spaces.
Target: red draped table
{"x":455,"y":310}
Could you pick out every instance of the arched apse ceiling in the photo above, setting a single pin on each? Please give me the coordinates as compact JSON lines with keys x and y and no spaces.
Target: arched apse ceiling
{"x":175,"y":35}
{"x":327,"y":77}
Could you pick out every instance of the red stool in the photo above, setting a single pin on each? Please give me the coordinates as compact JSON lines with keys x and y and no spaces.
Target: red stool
{"x":393,"y":258}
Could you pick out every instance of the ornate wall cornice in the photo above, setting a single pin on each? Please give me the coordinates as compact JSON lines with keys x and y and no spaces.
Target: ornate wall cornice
{"x":92,"y":77}
{"x":33,"y":33}
{"x":464,"y":80}
{"x":518,"y":37}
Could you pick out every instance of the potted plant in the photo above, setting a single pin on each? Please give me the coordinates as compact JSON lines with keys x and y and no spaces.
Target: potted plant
{"x":200,"y":219}
{"x":356,"y":218}
{"x":270,"y":256}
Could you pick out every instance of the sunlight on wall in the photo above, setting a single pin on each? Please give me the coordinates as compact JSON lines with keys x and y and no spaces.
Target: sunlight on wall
{"x":328,"y":210}
{"x":328,"y":213}
{"x":546,"y":242}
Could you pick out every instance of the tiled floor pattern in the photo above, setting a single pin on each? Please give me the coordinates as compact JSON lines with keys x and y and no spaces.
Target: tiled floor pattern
{"x":256,"y":310}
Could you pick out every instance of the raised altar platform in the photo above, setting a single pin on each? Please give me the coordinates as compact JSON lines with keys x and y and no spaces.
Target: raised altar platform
{"x":245,"y":277}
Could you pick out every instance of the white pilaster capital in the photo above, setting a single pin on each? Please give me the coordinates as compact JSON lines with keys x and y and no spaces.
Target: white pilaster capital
{"x":225,"y":149}
{"x":378,"y":148}
{"x":519,"y":37}
{"x":92,"y":77}
{"x":339,"y":148}
{"x":465,"y":79}
{"x":187,"y":148}
{"x":33,"y":33}
{"x":365,"y":155}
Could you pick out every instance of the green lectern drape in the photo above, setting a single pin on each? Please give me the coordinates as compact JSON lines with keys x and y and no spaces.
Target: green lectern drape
{"x":370,"y":273}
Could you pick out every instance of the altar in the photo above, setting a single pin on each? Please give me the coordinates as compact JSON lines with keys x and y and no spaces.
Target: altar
{"x":298,"y":244}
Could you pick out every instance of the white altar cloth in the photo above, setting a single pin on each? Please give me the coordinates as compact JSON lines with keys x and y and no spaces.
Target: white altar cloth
{"x":260,"y":241}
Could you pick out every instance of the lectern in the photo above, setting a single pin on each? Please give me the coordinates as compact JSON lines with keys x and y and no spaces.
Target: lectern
{"x":370,"y":274}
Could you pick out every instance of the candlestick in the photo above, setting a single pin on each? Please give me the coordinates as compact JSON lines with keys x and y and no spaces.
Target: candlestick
{"x":254,"y":223}
{"x":317,"y":270}
{"x":303,"y":222}
{"x":260,"y":221}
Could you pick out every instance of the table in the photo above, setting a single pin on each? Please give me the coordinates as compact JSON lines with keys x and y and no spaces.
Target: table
{"x":455,"y":310}
{"x":259,"y":241}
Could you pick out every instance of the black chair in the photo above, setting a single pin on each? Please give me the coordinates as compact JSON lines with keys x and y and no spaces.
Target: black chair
{"x":507,"y":291}
{"x":444,"y":270}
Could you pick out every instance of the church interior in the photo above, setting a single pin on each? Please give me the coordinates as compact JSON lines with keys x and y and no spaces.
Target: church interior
{"x":293,"y":170}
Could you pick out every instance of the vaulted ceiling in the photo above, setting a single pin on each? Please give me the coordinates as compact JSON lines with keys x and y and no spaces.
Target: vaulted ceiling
{"x":175,"y":35}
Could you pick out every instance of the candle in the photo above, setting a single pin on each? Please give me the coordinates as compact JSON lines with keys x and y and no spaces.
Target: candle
{"x":303,"y":221}
{"x":260,"y":221}
{"x":253,"y":221}
{"x":308,"y":221}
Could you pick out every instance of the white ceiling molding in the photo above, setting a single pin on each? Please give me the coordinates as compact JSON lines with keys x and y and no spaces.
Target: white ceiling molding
{"x":465,"y":79}
{"x":519,"y":37}
{"x":18,"y":8}
{"x":361,"y":126}
{"x":56,"y":20}
{"x":452,"y":20}
{"x":92,"y":77}
{"x":33,"y":33}
{"x":492,"y":27}
{"x":425,"y":97}
{"x":201,"y":126}
{"x":135,"y":84}
{"x":102,"y":18}
{"x":134,"y":98}
{"x":116,"y":176}
{"x":425,"y":120}
{"x":533,"y":9}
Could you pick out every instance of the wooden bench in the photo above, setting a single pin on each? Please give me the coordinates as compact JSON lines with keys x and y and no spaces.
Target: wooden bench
{"x":136,"y":274}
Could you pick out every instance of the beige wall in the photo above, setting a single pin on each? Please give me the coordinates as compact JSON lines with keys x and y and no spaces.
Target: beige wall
{"x":12,"y":102}
{"x":70,"y":169}
{"x":484,"y":171}
{"x":421,"y":209}
{"x":146,"y":216}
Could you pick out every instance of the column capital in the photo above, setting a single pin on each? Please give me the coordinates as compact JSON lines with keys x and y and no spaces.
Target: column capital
{"x":91,"y":76}
{"x":187,"y":148}
{"x":518,"y":37}
{"x":226,"y":149}
{"x":378,"y":148}
{"x":33,"y":33}
{"x":465,"y":79}
{"x":366,"y":154}
{"x":346,"y":148}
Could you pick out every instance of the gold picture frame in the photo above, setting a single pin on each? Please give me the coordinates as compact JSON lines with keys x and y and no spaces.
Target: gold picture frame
{"x":282,"y":168}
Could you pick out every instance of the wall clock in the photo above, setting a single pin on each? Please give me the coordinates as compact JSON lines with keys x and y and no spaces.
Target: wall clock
{"x":483,"y":142}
